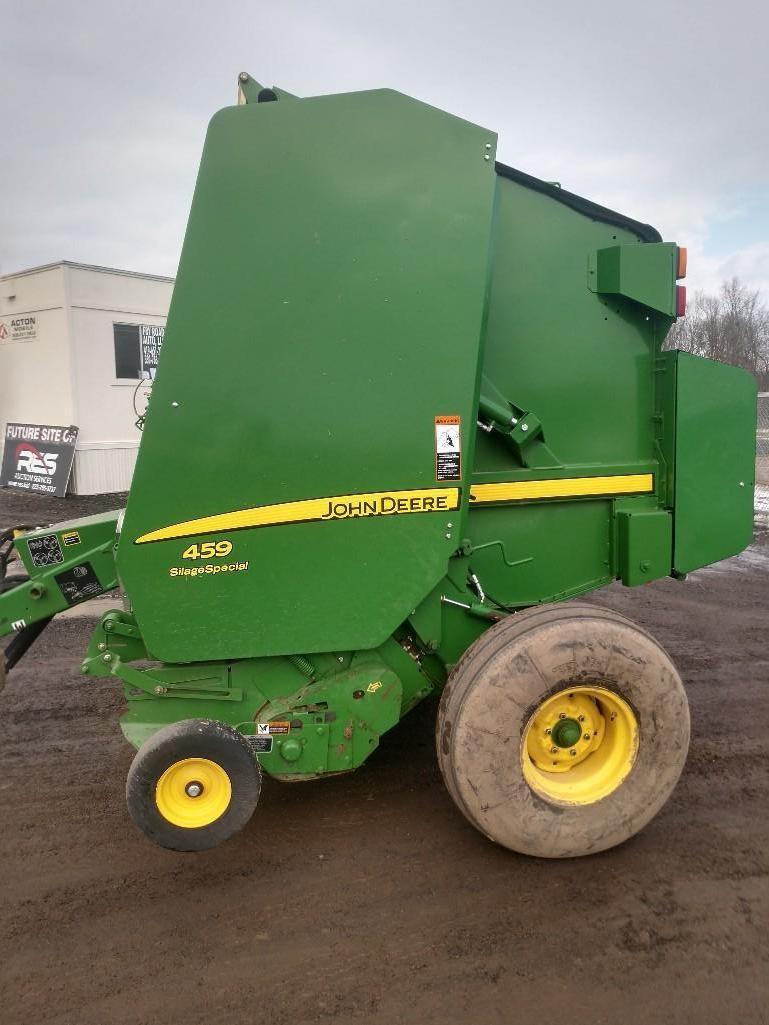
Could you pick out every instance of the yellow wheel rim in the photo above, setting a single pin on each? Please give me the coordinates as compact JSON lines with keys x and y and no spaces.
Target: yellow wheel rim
{"x":193,"y":792}
{"x":579,"y":745}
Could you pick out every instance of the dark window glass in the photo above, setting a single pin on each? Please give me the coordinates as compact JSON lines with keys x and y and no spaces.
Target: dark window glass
{"x":127,"y":351}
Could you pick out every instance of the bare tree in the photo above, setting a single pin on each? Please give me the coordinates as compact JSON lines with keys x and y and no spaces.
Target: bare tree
{"x":732,"y":326}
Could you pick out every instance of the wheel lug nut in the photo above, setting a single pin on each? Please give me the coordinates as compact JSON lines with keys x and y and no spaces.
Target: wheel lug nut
{"x":581,"y":718}
{"x":548,"y":731}
{"x":553,"y":750}
{"x":572,"y":752}
{"x":587,"y":736}
{"x":561,"y":715}
{"x":193,"y":789}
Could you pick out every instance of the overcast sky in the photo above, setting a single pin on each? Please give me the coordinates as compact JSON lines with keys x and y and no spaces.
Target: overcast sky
{"x":656,"y":108}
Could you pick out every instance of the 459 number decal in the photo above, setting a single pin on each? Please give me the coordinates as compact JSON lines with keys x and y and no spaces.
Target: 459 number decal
{"x":212,"y":554}
{"x":208,"y":550}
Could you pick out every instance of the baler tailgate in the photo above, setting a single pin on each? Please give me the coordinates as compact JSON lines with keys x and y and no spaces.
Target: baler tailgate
{"x":714,"y":461}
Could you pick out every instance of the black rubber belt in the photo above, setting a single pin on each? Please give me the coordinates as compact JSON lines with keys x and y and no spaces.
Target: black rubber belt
{"x":583,"y":206}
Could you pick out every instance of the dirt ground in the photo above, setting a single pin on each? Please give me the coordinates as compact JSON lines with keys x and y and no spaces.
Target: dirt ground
{"x":368,"y":898}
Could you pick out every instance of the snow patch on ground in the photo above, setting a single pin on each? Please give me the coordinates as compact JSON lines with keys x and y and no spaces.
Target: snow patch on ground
{"x":761,"y":503}
{"x":754,"y":558}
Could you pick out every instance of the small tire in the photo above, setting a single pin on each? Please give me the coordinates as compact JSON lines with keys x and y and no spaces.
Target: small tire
{"x":193,"y":784}
{"x":494,"y":712}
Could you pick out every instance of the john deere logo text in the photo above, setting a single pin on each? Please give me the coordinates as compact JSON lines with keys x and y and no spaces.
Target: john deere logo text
{"x":307,"y":510}
{"x":383,"y":505}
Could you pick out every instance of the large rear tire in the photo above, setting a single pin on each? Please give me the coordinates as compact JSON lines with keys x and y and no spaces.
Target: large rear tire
{"x":563,"y":730}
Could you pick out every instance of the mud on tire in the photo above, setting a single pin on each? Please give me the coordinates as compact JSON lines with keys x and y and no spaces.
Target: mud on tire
{"x":200,"y":753}
{"x":492,"y":697}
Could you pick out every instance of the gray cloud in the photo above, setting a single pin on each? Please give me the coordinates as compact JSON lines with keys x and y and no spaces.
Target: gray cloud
{"x":657,"y":109}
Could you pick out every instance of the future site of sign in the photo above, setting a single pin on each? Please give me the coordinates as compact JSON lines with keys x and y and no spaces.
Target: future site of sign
{"x":38,"y":457}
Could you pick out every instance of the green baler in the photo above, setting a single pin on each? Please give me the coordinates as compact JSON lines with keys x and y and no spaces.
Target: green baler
{"x":410,"y":401}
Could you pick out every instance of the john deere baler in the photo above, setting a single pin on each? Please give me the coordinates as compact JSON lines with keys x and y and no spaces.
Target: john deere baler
{"x":410,"y":401}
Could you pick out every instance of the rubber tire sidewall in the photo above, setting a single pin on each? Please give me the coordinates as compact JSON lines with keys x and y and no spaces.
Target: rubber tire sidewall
{"x":193,"y":738}
{"x":495,"y":690}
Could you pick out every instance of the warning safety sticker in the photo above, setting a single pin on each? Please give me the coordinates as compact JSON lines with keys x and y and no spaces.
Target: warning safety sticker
{"x":79,"y":583}
{"x":448,"y":448}
{"x":264,"y":729}
{"x":45,"y":551}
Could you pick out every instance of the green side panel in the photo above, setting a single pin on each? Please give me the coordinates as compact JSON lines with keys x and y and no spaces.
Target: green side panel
{"x":645,"y":543}
{"x":582,"y":362}
{"x":329,"y":305}
{"x":643,"y":272}
{"x":715,"y":461}
{"x":561,"y":549}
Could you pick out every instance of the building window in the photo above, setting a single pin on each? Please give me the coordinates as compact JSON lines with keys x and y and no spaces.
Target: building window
{"x":137,"y":347}
{"x":128,"y":357}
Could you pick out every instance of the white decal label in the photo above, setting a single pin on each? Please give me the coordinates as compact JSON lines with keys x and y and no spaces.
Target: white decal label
{"x":448,"y":448}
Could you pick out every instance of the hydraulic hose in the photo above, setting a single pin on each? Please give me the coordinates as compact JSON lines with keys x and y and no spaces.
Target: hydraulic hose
{"x":20,"y":645}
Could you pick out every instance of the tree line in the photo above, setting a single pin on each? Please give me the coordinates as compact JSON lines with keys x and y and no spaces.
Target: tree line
{"x":732,"y":327}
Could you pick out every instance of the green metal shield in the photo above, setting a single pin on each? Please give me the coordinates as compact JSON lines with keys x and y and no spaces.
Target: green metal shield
{"x":328,"y":308}
{"x":715,"y":461}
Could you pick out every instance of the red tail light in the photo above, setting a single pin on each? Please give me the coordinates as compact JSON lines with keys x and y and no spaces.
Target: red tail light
{"x":681,"y":300}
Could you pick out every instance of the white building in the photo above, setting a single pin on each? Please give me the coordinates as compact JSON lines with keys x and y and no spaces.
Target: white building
{"x":71,"y":352}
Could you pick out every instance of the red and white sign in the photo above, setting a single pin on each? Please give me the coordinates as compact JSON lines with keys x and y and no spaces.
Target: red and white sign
{"x":18,"y":329}
{"x":38,"y":457}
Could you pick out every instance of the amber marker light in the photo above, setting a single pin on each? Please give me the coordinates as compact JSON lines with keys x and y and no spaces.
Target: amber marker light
{"x":681,"y":269}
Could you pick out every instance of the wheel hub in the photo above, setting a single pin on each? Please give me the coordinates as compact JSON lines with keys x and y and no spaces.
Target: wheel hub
{"x":579,"y":744}
{"x":566,"y":733}
{"x":193,"y":793}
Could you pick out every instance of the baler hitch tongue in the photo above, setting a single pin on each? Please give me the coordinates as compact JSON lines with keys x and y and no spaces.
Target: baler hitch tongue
{"x":55,"y":567}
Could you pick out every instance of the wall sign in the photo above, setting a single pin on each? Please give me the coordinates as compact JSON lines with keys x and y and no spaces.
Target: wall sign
{"x":151,"y":340}
{"x":38,"y":457}
{"x":18,"y":329}
{"x":137,"y":350}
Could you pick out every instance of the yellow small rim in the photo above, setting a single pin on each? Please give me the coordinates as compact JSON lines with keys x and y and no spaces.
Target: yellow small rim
{"x":579,"y":745}
{"x":193,"y":792}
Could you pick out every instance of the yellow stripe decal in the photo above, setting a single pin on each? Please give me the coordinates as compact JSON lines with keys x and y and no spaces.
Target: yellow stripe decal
{"x":565,"y":487}
{"x":339,"y":507}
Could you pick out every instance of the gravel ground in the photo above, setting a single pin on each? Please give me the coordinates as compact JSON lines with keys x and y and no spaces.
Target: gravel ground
{"x":368,"y":897}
